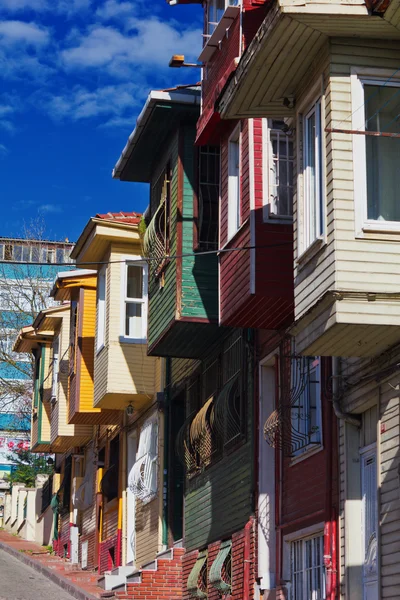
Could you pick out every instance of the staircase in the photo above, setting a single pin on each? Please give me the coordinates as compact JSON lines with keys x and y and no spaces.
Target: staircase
{"x":160,"y":579}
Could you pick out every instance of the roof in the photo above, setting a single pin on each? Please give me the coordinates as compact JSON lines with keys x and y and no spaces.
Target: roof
{"x":160,"y":117}
{"x":132,"y":218}
{"x":63,"y":243}
{"x":73,"y":277}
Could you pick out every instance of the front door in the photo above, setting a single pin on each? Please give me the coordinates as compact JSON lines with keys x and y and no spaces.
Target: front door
{"x":369,"y":488}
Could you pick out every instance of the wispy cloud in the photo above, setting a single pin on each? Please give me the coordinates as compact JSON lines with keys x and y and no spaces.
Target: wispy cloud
{"x":50,"y":208}
{"x":3,"y":150}
{"x":19,"y":32}
{"x":81,"y":103}
{"x":149,"y":42}
{"x":114,"y":10}
{"x":68,"y":7}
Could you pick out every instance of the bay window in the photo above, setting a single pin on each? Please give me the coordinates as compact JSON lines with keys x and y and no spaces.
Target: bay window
{"x":376,"y":109}
{"x":135,"y":301}
{"x":312,"y":175}
{"x":306,"y":425}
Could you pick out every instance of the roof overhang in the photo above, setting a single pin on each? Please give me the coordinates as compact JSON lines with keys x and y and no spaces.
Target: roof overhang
{"x":289,"y":41}
{"x":66,"y":280}
{"x":160,"y":117}
{"x":41,"y":331}
{"x":98,"y":234}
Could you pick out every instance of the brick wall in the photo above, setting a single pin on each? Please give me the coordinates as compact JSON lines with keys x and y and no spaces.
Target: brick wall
{"x":237,"y":568}
{"x":105,"y":550}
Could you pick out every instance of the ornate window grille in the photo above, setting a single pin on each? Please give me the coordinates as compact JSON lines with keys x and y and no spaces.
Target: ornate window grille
{"x":197,"y":580}
{"x":156,"y":237}
{"x":221,"y":570}
{"x":217,"y":423}
{"x":295,"y":424}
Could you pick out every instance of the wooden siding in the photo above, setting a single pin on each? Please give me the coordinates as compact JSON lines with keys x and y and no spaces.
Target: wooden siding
{"x":268,"y":301}
{"x":342,"y":263}
{"x":218,"y":69}
{"x":219,"y":501}
{"x":364,"y":398}
{"x":162,"y":301}
{"x":63,"y":435}
{"x":86,"y":349}
{"x":122,"y":370}
{"x":199,"y":297}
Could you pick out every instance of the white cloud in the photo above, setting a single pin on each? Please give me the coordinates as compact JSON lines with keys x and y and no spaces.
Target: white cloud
{"x":3,"y":150}
{"x":110,"y":101}
{"x":68,"y":7}
{"x":49,"y":208}
{"x":17,"y":32}
{"x":5,"y":110}
{"x":112,"y":9}
{"x":150,"y":42}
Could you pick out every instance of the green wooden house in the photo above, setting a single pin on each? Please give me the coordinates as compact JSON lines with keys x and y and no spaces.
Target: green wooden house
{"x":180,"y":223}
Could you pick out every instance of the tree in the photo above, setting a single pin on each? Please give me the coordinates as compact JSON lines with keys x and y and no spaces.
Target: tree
{"x":26,"y":466}
{"x":27,"y":272}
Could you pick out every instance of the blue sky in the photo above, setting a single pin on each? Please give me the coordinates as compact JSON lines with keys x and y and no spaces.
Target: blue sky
{"x":74,"y":75}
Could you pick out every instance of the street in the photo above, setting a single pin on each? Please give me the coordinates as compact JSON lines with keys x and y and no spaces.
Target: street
{"x":20,"y":582}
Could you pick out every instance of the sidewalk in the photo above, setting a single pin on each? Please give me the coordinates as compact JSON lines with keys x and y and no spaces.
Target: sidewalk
{"x":80,"y":584}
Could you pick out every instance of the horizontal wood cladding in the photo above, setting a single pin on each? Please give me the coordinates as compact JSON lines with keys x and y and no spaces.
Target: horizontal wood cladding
{"x":216,"y":73}
{"x":218,"y":502}
{"x":341,"y":264}
{"x":182,"y":311}
{"x":304,"y":483}
{"x":199,"y":285}
{"x":163,"y":299}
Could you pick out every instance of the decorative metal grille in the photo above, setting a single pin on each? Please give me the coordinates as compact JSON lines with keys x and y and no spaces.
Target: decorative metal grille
{"x":156,"y":238}
{"x":295,"y":424}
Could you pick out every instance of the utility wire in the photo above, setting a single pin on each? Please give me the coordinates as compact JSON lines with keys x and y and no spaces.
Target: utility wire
{"x":150,"y":258}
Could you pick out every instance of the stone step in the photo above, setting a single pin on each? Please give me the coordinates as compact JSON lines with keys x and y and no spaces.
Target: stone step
{"x":115,"y":578}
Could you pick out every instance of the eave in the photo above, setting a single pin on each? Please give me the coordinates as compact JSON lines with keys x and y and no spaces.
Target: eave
{"x":68,"y":280}
{"x":97,"y":236}
{"x":160,"y":118}
{"x":286,"y":46}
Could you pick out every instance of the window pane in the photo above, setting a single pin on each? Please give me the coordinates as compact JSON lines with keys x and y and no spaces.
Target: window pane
{"x":310,"y":177}
{"x":134,"y":284}
{"x":18,"y":253}
{"x":382,"y":113}
{"x":133,"y":320}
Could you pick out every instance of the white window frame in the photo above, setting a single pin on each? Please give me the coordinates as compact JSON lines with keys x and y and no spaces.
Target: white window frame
{"x":315,"y":446}
{"x":315,"y":109}
{"x":234,"y":175}
{"x":270,"y":212}
{"x":309,"y":533}
{"x":212,"y":6}
{"x":360,"y":77}
{"x":56,"y":367}
{"x":137,"y":262}
{"x":101,"y":308}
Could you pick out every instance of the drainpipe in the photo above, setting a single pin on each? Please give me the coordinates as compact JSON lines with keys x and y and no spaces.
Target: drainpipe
{"x":166,"y":452}
{"x":247,"y":559}
{"x":348,"y":417}
{"x":328,"y":493}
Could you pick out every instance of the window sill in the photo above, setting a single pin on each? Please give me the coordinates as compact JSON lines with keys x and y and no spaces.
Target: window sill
{"x":127,"y":340}
{"x":380,"y":230}
{"x":310,"y":252}
{"x":307,"y":453}
{"x":270,"y":217}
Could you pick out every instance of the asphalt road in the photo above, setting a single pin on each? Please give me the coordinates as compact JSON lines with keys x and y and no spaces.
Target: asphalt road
{"x":20,"y":582}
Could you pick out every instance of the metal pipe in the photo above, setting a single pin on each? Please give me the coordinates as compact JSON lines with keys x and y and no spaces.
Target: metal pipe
{"x":166,"y":451}
{"x":340,"y":414}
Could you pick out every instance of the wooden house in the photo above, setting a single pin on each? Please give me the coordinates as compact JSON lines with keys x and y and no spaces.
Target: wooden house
{"x":183,"y":300}
{"x":330,"y":71}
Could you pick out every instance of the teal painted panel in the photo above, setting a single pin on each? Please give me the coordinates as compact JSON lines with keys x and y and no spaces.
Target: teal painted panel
{"x":199,"y":273}
{"x":162,"y":300}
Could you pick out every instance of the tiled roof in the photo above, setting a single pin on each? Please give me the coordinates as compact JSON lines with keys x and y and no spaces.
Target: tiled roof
{"x":132,"y":218}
